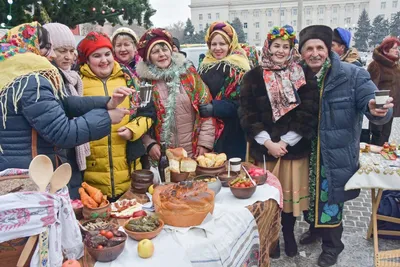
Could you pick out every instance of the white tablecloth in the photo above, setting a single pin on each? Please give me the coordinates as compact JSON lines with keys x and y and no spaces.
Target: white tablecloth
{"x":225,"y":239}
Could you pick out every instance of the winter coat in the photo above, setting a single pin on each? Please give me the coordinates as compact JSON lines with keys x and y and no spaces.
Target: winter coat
{"x":107,"y":167}
{"x":256,"y":115}
{"x":352,"y":56}
{"x":50,"y":118}
{"x":347,"y":92}
{"x":232,"y":140}
{"x":385,"y":73}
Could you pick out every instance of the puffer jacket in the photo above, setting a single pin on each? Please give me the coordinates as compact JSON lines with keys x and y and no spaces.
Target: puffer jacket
{"x":347,"y":92}
{"x":50,"y":117}
{"x":107,"y":167}
{"x":385,"y":73}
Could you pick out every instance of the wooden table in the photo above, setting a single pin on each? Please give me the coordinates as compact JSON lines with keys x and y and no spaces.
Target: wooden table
{"x":377,"y":175}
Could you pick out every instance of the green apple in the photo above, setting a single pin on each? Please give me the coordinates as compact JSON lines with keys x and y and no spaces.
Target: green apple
{"x":145,"y":248}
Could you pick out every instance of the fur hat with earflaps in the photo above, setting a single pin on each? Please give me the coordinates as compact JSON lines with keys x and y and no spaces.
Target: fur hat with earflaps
{"x":321,"y":32}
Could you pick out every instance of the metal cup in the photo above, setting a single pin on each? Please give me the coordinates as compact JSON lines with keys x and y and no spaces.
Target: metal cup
{"x":146,"y":91}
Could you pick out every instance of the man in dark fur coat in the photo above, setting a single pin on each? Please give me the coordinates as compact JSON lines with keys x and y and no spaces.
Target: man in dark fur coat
{"x":345,"y":92}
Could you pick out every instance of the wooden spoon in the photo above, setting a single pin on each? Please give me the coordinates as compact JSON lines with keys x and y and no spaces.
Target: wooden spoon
{"x":41,"y":171}
{"x":60,"y":178}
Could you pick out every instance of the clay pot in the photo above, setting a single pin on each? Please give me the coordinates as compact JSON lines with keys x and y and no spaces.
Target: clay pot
{"x":102,"y":213}
{"x":260,"y":180}
{"x":106,"y":254}
{"x":243,"y":193}
{"x":210,"y":171}
{"x":223,"y":177}
{"x":179,"y":177}
{"x":139,"y":236}
{"x":141,"y":181}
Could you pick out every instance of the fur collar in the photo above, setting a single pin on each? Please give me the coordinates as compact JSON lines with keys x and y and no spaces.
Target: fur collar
{"x":148,"y":71}
{"x":379,"y":57}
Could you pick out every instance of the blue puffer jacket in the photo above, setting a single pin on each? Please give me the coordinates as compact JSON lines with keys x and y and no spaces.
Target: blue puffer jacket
{"x":347,"y":92}
{"x":50,"y":118}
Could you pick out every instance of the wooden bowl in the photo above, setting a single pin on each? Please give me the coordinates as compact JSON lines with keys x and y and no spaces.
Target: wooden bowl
{"x":91,"y":214}
{"x":141,"y":180}
{"x":179,"y":177}
{"x":107,"y":254}
{"x":261,"y":179}
{"x":223,"y":177}
{"x":139,"y":236}
{"x":243,"y":193}
{"x":214,"y":186}
{"x":210,"y":171}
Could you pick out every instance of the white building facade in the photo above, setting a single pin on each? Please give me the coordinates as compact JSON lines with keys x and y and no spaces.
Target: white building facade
{"x":385,"y":8}
{"x":258,"y":16}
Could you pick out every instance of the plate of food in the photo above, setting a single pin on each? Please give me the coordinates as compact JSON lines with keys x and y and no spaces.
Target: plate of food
{"x":125,"y":208}
{"x":211,"y":163}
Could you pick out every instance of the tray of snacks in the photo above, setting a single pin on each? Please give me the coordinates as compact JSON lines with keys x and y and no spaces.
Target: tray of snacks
{"x":211,"y":163}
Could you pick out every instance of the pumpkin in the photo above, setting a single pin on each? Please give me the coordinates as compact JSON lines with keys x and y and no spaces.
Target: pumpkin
{"x":71,"y":263}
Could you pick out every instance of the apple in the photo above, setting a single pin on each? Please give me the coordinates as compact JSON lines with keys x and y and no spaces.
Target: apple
{"x":145,"y":249}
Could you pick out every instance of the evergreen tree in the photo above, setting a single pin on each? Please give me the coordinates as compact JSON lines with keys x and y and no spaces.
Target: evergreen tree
{"x":188,"y":32}
{"x":380,"y":29}
{"x":238,"y":26}
{"x":363,"y":31}
{"x":395,"y":25}
{"x":73,"y":12}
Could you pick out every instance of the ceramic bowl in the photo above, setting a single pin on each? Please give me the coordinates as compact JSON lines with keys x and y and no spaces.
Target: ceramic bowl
{"x":223,"y":177}
{"x":108,"y":225}
{"x":139,"y":236}
{"x":214,"y":186}
{"x":261,"y":179}
{"x":91,"y":214}
{"x":141,"y":180}
{"x":106,"y":254}
{"x":210,"y":171}
{"x":179,"y":177}
{"x":243,"y":193}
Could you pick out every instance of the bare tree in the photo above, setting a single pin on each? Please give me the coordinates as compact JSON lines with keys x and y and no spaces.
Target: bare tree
{"x":177,"y":30}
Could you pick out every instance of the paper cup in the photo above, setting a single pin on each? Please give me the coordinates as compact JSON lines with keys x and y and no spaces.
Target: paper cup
{"x":381,"y":97}
{"x":236,"y":164}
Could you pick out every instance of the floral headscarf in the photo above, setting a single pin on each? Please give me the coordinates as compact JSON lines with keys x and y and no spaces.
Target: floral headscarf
{"x":18,"y":47}
{"x":282,"y":80}
{"x":236,"y":56}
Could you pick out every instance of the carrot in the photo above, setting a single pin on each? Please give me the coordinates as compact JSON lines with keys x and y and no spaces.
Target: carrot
{"x":87,"y":200}
{"x":93,"y":193}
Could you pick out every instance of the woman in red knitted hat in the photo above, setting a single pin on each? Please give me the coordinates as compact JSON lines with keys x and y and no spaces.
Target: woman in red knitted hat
{"x":178,"y":93}
{"x":112,"y":157}
{"x":385,"y":73}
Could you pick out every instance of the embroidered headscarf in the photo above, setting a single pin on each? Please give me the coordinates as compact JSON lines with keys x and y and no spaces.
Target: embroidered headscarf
{"x":282,"y":80}
{"x":19,"y":59}
{"x":92,"y":42}
{"x":151,"y":38}
{"x":236,"y":55}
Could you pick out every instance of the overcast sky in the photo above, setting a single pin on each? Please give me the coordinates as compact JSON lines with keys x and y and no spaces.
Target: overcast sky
{"x":170,"y":11}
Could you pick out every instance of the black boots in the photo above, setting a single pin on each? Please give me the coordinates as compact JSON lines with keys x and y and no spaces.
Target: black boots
{"x":327,"y":259}
{"x":308,"y":237}
{"x":288,"y":223}
{"x":276,"y":253}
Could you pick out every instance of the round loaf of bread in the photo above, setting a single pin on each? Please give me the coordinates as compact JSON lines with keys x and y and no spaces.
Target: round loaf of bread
{"x":184,"y":204}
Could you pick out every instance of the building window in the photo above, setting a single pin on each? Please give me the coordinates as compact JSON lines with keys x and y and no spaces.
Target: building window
{"x":200,"y":16}
{"x":269,"y":12}
{"x":320,"y":11}
{"x":309,"y":22}
{"x":245,"y":25}
{"x":347,"y":20}
{"x":321,"y":21}
{"x":245,"y":36}
{"x":256,"y":13}
{"x":334,"y":21}
{"x":257,"y":36}
{"x":383,"y":5}
{"x":334,"y":10}
{"x":394,"y":4}
{"x":308,"y":11}
{"x":294,"y":11}
{"x":282,"y":12}
{"x":257,"y":24}
{"x":294,"y":23}
{"x":201,"y":27}
{"x":270,"y":24}
{"x":209,"y":15}
{"x":244,"y":13}
{"x":217,"y":15}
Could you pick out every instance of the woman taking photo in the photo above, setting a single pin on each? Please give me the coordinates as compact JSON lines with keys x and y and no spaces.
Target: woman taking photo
{"x":178,"y":92}
{"x":38,"y":120}
{"x":280,"y":118}
{"x":222,"y":71}
{"x":112,"y":157}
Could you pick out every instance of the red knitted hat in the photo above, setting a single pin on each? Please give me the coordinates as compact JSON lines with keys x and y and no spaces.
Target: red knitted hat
{"x":150,"y":39}
{"x":92,"y":42}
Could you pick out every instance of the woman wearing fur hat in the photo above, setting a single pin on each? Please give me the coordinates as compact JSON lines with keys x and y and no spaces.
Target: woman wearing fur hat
{"x":178,"y":92}
{"x":385,"y":73}
{"x":271,"y":96}
{"x":222,"y":70}
{"x":37,"y":110}
{"x":113,"y":157}
{"x":125,"y":43}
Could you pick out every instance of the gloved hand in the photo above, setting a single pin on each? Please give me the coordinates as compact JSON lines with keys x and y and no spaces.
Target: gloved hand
{"x":206,"y":110}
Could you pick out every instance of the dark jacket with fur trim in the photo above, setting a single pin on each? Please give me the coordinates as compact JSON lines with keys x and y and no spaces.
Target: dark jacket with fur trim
{"x":256,"y":115}
{"x":385,"y":73}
